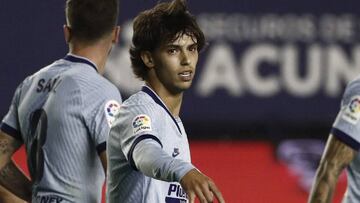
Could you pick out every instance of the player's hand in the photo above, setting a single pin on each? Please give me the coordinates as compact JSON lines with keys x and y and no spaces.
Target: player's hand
{"x":199,"y":185}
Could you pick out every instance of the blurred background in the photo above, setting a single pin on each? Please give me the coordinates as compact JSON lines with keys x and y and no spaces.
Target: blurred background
{"x":267,"y":89}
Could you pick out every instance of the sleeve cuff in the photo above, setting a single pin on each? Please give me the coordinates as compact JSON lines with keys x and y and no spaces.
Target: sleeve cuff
{"x":347,"y":139}
{"x":11,"y":131}
{"x":185,"y":169}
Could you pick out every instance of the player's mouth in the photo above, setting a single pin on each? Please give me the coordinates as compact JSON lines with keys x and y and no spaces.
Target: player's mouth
{"x":186,"y":76}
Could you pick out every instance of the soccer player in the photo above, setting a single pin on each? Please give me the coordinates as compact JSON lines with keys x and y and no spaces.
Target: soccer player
{"x":341,"y":151}
{"x":62,"y":114}
{"x":148,"y":150}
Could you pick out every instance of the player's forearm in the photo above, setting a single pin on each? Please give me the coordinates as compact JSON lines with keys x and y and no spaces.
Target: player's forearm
{"x":7,"y":197}
{"x":154,"y":162}
{"x":322,"y":194}
{"x":324,"y":184}
{"x":14,"y":180}
{"x":337,"y":156}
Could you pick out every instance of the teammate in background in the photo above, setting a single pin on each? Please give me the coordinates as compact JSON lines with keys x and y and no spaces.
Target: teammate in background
{"x":341,"y":151}
{"x":63,"y":114}
{"x":148,"y":150}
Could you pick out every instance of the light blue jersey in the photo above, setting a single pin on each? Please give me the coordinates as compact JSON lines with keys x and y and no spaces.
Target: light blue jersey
{"x":347,"y":129}
{"x":145,"y":130}
{"x":63,"y":115}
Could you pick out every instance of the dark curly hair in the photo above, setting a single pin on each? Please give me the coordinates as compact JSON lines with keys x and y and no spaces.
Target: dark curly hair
{"x":90,"y":20}
{"x":164,"y":23}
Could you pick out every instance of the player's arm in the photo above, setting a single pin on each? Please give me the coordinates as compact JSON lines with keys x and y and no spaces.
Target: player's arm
{"x":337,"y":155}
{"x":11,"y":176}
{"x":103,"y":160}
{"x":149,"y":157}
{"x":8,"y":197}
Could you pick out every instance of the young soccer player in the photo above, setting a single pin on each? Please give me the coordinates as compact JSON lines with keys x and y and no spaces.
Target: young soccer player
{"x":148,"y":150}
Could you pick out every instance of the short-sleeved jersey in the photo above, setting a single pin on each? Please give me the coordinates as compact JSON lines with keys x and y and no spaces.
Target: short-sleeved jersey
{"x":144,"y":116}
{"x":63,"y":114}
{"x":347,"y":129}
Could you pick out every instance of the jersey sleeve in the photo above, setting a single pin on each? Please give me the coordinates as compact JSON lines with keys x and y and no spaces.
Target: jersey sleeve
{"x":138,"y":130}
{"x":135,"y":123}
{"x":347,"y":126}
{"x":10,"y":123}
{"x":155,"y":162}
{"x":102,"y":106}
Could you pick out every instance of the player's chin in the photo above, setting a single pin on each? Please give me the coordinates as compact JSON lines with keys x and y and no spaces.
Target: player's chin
{"x":185,"y":85}
{"x":182,"y":86}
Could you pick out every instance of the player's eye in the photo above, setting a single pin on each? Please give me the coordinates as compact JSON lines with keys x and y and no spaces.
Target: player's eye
{"x":193,"y":48}
{"x":172,"y":51}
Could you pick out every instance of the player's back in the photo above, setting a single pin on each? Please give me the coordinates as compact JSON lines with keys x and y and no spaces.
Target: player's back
{"x":56,"y":108}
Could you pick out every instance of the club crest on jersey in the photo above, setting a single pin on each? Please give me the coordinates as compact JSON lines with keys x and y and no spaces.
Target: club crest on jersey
{"x":352,"y":111}
{"x":141,"y":123}
{"x":112,"y":108}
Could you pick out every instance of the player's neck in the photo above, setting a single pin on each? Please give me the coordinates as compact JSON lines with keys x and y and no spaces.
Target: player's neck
{"x":172,"y":101}
{"x":96,"y":54}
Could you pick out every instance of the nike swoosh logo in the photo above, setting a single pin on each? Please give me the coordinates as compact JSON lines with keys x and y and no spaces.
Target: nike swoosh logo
{"x":174,"y":154}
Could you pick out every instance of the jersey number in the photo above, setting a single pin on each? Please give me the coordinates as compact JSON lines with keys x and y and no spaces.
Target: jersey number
{"x":38,"y":132}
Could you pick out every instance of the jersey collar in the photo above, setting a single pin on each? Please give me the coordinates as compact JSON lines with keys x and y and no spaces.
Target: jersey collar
{"x":79,"y":59}
{"x":158,"y":100}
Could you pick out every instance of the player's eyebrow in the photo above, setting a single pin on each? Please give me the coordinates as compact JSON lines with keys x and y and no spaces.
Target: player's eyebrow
{"x":193,"y":44}
{"x":171,"y":45}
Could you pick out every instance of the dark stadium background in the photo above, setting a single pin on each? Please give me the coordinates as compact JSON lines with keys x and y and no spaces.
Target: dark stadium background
{"x":267,"y":90}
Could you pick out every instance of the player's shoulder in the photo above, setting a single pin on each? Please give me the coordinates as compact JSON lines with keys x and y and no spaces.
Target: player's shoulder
{"x":140,"y":103}
{"x":352,"y":90}
{"x":137,"y":107}
{"x":353,"y":87}
{"x":107,"y":89}
{"x":139,"y":100}
{"x":90,"y":82}
{"x":101,"y":84}
{"x":46,"y":71}
{"x":354,"y":82}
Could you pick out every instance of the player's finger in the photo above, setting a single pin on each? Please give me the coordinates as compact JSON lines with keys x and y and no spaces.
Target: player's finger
{"x":209,"y":195}
{"x":217,"y":192}
{"x":207,"y":192}
{"x":200,"y":195}
{"x":191,"y":196}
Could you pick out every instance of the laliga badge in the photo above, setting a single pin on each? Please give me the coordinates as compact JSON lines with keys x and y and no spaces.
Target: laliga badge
{"x":112,"y":108}
{"x":141,"y":123}
{"x":352,"y":111}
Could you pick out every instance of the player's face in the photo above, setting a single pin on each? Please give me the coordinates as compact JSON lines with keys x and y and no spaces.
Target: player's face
{"x":175,"y":63}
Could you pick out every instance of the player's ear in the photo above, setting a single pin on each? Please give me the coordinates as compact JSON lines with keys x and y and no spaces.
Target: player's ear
{"x":67,"y":33}
{"x":115,"y":37}
{"x":147,"y":59}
